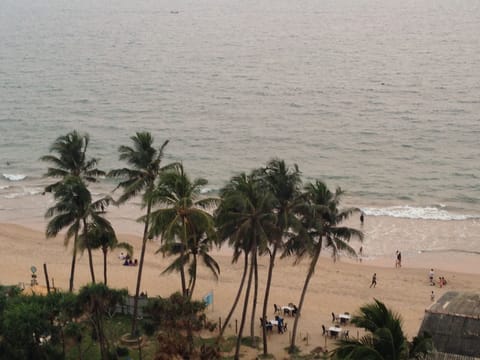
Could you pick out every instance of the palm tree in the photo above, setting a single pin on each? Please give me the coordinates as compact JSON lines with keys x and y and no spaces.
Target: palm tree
{"x":245,"y":218}
{"x":71,"y":159}
{"x":197,"y":248}
{"x":386,"y":340}
{"x":186,"y":228}
{"x":145,"y":163}
{"x":322,"y":218}
{"x":75,"y":208}
{"x":227,"y":227}
{"x":101,"y":235}
{"x":71,"y":196}
{"x":284,"y":184}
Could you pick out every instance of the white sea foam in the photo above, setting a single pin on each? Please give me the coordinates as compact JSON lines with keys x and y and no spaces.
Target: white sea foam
{"x":25,"y":192}
{"x":14,"y":177}
{"x":205,"y":191}
{"x":4,"y":187}
{"x":412,"y":212}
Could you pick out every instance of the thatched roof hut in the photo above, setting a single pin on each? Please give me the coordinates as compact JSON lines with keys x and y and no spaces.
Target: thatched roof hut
{"x":454,"y":323}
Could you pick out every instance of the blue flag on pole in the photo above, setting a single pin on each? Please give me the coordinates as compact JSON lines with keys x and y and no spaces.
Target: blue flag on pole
{"x":208,"y":299}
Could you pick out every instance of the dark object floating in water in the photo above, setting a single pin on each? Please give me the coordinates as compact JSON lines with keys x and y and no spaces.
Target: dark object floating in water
{"x":174,"y":12}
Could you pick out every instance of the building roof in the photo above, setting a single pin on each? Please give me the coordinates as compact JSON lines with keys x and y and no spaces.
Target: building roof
{"x":454,"y":323}
{"x":444,"y":356}
{"x":452,"y":302}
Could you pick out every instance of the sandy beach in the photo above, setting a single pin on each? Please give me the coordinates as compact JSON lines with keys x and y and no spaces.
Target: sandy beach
{"x":336,"y":287}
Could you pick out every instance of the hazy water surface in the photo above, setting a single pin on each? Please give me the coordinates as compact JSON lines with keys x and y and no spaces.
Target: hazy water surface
{"x":379,"y":97}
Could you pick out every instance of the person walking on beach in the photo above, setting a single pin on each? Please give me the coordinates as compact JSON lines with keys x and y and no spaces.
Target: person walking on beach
{"x":398,"y":260}
{"x":432,"y":296}
{"x":362,"y":218}
{"x":374,"y":280}
{"x":360,"y":253}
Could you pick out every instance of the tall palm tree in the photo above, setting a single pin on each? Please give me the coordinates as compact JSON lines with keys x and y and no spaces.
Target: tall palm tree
{"x":71,"y":159}
{"x":385,"y":341}
{"x":71,"y":198}
{"x":139,"y":179}
{"x":183,"y":223}
{"x":245,"y":217}
{"x":284,"y":183}
{"x":228,"y":230}
{"x":322,"y":218}
{"x":101,"y":235}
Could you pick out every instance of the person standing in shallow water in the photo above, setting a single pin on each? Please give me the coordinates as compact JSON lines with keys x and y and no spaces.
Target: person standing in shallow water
{"x":374,"y":280}
{"x":362,"y":218}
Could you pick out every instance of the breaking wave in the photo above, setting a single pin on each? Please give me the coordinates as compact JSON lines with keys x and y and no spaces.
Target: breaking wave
{"x":412,"y":212}
{"x":14,"y":177}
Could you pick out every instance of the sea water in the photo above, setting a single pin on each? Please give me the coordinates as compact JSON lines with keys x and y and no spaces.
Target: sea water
{"x":379,"y":97}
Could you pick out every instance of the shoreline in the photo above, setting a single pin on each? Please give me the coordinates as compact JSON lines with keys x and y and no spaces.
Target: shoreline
{"x":454,"y":260}
{"x":461,"y":261}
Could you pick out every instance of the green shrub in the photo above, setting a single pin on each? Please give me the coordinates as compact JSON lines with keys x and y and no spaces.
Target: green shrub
{"x":148,"y":327}
{"x":122,"y":351}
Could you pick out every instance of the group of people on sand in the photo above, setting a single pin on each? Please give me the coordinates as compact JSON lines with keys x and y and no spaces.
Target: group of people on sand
{"x":441,"y":280}
{"x":127,"y":260}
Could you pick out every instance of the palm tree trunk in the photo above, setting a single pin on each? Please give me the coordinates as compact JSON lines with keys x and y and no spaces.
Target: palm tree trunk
{"x":182,"y":254}
{"x":267,"y":294}
{"x":255,"y":296}
{"x":311,"y":270}
{"x":194,"y":277}
{"x":140,"y":268}
{"x":105,"y":250}
{"x":74,"y":257}
{"x":101,"y":338}
{"x":244,"y":312}
{"x":89,"y":250}
{"x":182,"y":279}
{"x":237,"y":298}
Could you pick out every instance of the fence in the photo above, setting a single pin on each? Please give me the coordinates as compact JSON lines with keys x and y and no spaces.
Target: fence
{"x":127,"y":307}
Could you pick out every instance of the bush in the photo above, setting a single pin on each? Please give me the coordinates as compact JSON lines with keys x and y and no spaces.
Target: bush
{"x":122,"y":351}
{"x":149,"y":327}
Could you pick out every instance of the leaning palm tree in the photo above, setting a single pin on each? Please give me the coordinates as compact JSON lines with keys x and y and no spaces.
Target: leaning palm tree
{"x":228,"y":230}
{"x":71,"y":159}
{"x":71,"y":198}
{"x":245,"y":217}
{"x":385,"y":340}
{"x":101,"y":235}
{"x":284,"y":183}
{"x":322,"y":218}
{"x":139,"y":179}
{"x":183,"y":223}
